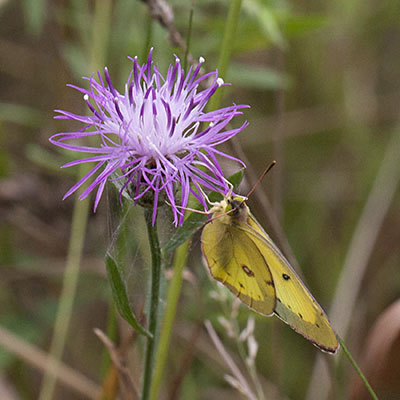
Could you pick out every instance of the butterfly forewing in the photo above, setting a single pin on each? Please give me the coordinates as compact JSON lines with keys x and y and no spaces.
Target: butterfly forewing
{"x":294,"y":303}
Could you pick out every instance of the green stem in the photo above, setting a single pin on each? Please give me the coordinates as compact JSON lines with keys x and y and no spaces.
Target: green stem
{"x":169,"y":316}
{"x":182,"y":252}
{"x":189,"y":35}
{"x":100,"y":33}
{"x":101,"y":24}
{"x":226,"y":48}
{"x":70,"y":282}
{"x":154,"y":300}
{"x":148,"y":37}
{"x":357,"y":368}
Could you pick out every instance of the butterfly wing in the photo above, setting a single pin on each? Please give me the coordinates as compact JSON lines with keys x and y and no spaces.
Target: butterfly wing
{"x":234,"y":259}
{"x":294,"y":303}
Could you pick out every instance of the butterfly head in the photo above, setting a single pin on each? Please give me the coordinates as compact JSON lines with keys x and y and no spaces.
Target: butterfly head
{"x":237,"y":208}
{"x":231,"y":208}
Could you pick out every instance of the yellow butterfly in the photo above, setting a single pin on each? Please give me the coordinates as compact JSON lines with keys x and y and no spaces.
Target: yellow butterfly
{"x":241,"y":255}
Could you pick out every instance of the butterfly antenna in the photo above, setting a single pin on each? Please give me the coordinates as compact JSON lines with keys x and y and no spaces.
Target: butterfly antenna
{"x":230,"y":185}
{"x":211,"y":203}
{"x":261,"y":178}
{"x":188,"y":209}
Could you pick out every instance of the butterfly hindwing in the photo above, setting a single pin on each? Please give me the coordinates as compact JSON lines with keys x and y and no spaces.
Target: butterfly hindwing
{"x":234,"y":259}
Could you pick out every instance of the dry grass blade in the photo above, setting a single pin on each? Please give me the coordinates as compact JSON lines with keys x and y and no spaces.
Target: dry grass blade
{"x":244,"y":386}
{"x":161,"y":11}
{"x":7,"y":391}
{"x":185,"y":364}
{"x":358,"y":255}
{"x":381,"y":362}
{"x":127,"y":386}
{"x":39,"y":359}
{"x":279,"y":105}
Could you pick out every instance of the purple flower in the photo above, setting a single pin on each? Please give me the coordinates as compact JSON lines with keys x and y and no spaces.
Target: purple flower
{"x":155,"y":136}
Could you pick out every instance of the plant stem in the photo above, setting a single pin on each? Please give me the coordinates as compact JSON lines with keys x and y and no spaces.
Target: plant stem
{"x":101,"y":23}
{"x":175,"y":285}
{"x":154,"y":300}
{"x":169,"y":316}
{"x":189,"y":35}
{"x":357,"y":368}
{"x":148,"y":37}
{"x":362,"y":245}
{"x":70,"y":281}
{"x":226,"y":48}
{"x":182,"y":252}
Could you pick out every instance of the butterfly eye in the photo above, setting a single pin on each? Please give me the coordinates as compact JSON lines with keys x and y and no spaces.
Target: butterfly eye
{"x":235,"y":204}
{"x":236,"y":207}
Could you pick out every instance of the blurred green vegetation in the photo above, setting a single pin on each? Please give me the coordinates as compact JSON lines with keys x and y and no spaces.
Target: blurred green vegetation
{"x":323,"y":82}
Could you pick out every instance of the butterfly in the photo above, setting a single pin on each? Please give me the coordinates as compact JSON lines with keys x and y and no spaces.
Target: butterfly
{"x":241,"y":255}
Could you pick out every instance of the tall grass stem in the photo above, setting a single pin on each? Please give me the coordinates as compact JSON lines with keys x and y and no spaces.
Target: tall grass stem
{"x":101,"y":24}
{"x":148,"y":37}
{"x":188,"y":39}
{"x":67,"y":297}
{"x":231,"y":25}
{"x":169,"y":316}
{"x":357,"y":368}
{"x":360,"y":250}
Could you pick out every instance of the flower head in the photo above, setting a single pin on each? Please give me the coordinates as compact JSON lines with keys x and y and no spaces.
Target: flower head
{"x":155,"y":136}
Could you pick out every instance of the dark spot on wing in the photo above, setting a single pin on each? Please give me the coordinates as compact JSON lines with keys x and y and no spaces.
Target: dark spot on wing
{"x":241,"y":285}
{"x":300,"y":316}
{"x":269,"y":283}
{"x":289,"y":306}
{"x":285,"y":277}
{"x":278,"y":299}
{"x":228,"y":273}
{"x":247,"y":270}
{"x":317,"y":325}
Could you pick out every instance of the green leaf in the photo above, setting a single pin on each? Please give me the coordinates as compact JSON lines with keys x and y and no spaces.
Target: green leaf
{"x":266,"y":17}
{"x":236,"y":179}
{"x":184,"y":232}
{"x":258,"y":78}
{"x":297,"y":25}
{"x":22,"y":115}
{"x":195,"y":220}
{"x":42,"y":157}
{"x":121,"y":297}
{"x":34,"y":13}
